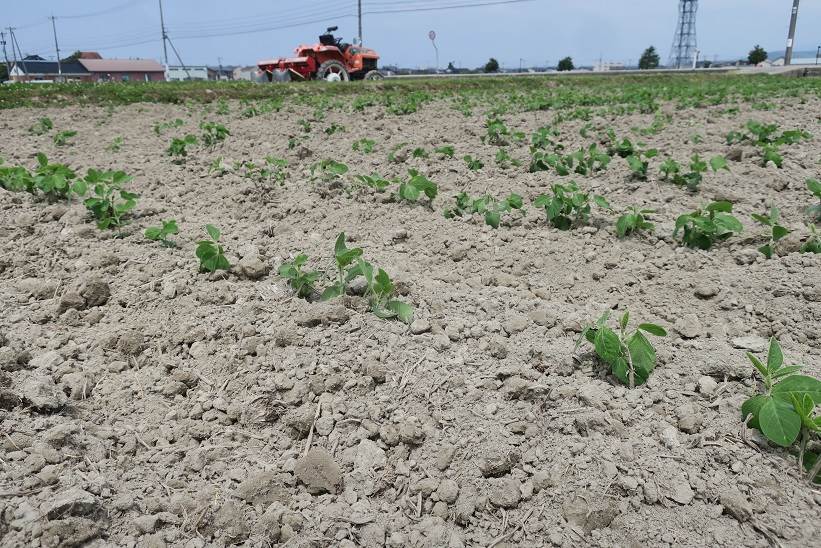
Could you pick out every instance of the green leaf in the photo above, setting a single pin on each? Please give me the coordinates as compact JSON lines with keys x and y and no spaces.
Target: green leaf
{"x":779,"y":232}
{"x":331,"y":292}
{"x":153,"y":233}
{"x":766,"y":250}
{"x":653,"y":329}
{"x":798,"y":385}
{"x":213,"y":231}
{"x":784,"y":371}
{"x":625,"y":319}
{"x":779,"y":422}
{"x":643,"y":356}
{"x":753,"y":407}
{"x":720,"y":206}
{"x":403,"y":311}
{"x":602,"y":202}
{"x":493,"y":218}
{"x":607,"y":344}
{"x":719,"y":162}
{"x":758,"y":365}
{"x":775,"y":358}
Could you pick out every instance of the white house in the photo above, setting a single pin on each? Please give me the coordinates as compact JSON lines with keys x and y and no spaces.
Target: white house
{"x":247,"y":73}
{"x":177,"y":73}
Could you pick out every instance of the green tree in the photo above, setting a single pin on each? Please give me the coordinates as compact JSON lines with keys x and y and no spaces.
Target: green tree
{"x":492,"y":65}
{"x":3,"y":73}
{"x":73,"y":57}
{"x":757,"y":55}
{"x":566,"y":64}
{"x":649,"y":59}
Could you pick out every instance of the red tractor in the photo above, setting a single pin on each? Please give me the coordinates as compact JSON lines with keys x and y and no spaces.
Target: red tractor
{"x":330,"y":60}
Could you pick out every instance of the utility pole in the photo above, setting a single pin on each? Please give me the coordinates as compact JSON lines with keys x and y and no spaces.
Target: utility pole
{"x":219,"y":61}
{"x":791,"y":37}
{"x":164,"y":37}
{"x":56,"y":46}
{"x":359,"y":11}
{"x":5,"y":55}
{"x":13,"y":44}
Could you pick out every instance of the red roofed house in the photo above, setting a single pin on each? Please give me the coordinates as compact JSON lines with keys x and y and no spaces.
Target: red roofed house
{"x":121,"y":70}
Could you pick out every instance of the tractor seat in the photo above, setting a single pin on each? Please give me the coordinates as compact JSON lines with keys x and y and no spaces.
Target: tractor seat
{"x":327,"y":39}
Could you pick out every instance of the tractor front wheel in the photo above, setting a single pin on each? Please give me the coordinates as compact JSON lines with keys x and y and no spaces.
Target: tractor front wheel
{"x":374,"y":75}
{"x":332,"y":71}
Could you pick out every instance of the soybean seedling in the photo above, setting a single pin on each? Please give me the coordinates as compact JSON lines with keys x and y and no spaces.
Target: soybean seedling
{"x":630,"y":355}
{"x":62,"y":138}
{"x":487,"y":206}
{"x":415,"y":186}
{"x":334,"y":128}
{"x":109,"y":203}
{"x":671,"y":171}
{"x":419,"y":152}
{"x":213,"y":133}
{"x":814,"y":186}
{"x":364,"y":145}
{"x":54,"y":180}
{"x":474,"y":164}
{"x":632,"y":221}
{"x":445,"y":151}
{"x":375,"y":182}
{"x":344,"y":258}
{"x":785,"y":409}
{"x":504,"y":159}
{"x":329,"y":171}
{"x":380,"y":291}
{"x":210,"y":253}
{"x":301,"y":282}
{"x":116,"y":145}
{"x":704,"y":227}
{"x":178,"y":148}
{"x":160,"y":127}
{"x":567,"y":205}
{"x":776,"y":231}
{"x":813,"y":242}
{"x":639,"y":162}
{"x":161,"y":233}
{"x":41,"y":126}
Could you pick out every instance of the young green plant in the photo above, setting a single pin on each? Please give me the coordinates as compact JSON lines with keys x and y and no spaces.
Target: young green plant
{"x":630,"y":355}
{"x":301,"y":282}
{"x":211,"y":253}
{"x":776,"y":230}
{"x":785,"y":409}
{"x":161,"y":233}
{"x":706,"y":226}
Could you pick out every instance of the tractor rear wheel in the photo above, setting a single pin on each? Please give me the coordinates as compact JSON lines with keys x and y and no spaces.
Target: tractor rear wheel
{"x":332,"y":71}
{"x":374,"y":75}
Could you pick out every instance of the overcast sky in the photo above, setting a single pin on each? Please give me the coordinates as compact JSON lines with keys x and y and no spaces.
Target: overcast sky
{"x":540,"y":31}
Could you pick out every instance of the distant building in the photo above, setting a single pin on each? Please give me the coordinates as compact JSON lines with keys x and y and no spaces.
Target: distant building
{"x":35,"y":68}
{"x":86,"y":67}
{"x":247,"y":73}
{"x":123,"y":70}
{"x":221,"y":73}
{"x":797,"y":61}
{"x":178,"y":73}
{"x":607,"y":66}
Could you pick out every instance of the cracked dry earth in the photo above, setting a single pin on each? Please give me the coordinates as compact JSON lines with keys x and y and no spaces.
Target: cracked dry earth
{"x":146,"y":404}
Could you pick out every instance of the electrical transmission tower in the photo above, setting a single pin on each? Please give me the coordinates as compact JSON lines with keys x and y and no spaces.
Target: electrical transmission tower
{"x":683,"y":52}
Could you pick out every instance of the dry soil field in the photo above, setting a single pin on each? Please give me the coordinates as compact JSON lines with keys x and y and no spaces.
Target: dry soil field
{"x":146,"y":403}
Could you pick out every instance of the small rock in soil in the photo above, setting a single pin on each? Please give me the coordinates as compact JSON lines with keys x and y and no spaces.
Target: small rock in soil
{"x":318,"y":471}
{"x":689,"y":326}
{"x":73,"y":502}
{"x":506,"y":493}
{"x":498,"y":462}
{"x":736,"y":504}
{"x":262,"y":488}
{"x":589,"y":512}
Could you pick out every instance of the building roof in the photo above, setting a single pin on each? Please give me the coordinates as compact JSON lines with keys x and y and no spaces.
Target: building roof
{"x":122,"y":65}
{"x":49,"y":67}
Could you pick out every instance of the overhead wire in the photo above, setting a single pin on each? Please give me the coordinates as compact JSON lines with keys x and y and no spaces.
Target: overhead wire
{"x":319,"y":12}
